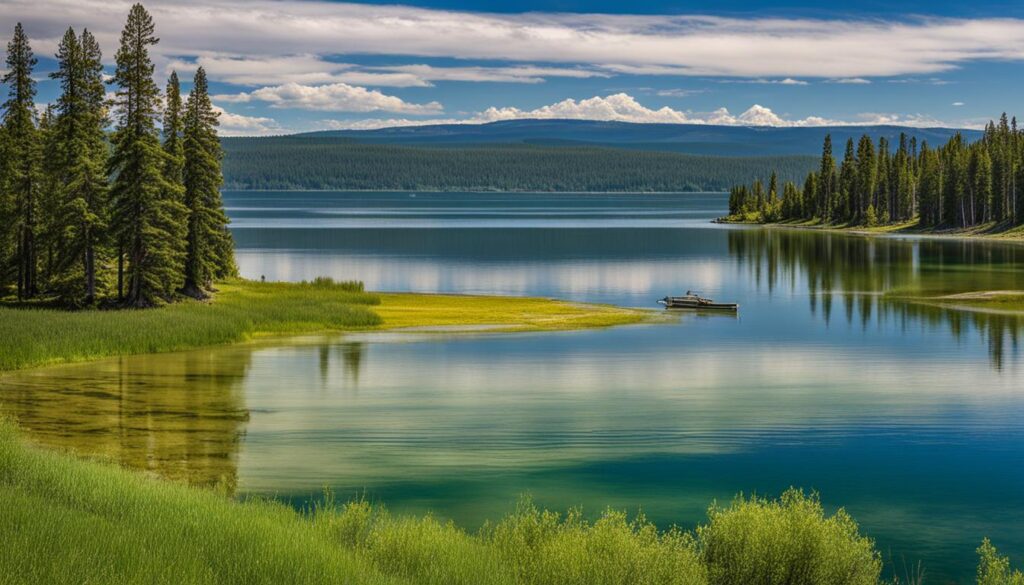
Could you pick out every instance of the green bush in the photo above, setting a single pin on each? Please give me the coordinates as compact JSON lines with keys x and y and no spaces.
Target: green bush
{"x":544,"y":547}
{"x":786,"y":541}
{"x":994,"y":569}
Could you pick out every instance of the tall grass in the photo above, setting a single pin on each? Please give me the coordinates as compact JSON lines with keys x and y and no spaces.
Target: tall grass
{"x":65,"y":520}
{"x":242,"y":309}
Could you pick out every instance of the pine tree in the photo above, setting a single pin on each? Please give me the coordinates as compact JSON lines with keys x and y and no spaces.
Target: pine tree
{"x":210,"y":248}
{"x":862,"y":193}
{"x":80,"y":205}
{"x":810,"y":195}
{"x":172,"y":131}
{"x":930,"y":188}
{"x":148,"y":218}
{"x":22,"y":160}
{"x":826,"y":181}
{"x":847,"y":184}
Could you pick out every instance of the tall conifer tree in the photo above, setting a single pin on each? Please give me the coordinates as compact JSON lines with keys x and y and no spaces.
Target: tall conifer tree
{"x":80,"y":208}
{"x":210,"y":248}
{"x":22,"y":172}
{"x":148,"y":215}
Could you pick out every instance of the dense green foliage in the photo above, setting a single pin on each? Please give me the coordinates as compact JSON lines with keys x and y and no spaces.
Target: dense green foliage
{"x":20,"y":179}
{"x":73,"y":521}
{"x":76,"y":153}
{"x":957,"y":185}
{"x":209,"y":248}
{"x":81,"y":209}
{"x":308,"y":162}
{"x":39,"y":336}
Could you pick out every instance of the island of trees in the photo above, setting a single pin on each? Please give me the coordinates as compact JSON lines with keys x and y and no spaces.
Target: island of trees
{"x":957,"y":185}
{"x":99,"y":206}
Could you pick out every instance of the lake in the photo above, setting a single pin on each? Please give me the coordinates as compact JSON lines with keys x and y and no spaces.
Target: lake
{"x":910,"y":416}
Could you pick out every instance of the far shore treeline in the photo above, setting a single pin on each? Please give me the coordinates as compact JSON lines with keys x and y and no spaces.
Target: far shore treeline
{"x":956,"y":185}
{"x":89,"y":215}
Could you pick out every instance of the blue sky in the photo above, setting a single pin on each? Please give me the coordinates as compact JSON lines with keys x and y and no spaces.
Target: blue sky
{"x":281,"y":66}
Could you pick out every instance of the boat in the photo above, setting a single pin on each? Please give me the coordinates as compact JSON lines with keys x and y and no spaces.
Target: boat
{"x":692,"y":300}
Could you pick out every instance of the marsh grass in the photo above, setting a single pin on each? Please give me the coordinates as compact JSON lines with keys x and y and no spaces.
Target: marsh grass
{"x":240,"y":310}
{"x":400,"y":310}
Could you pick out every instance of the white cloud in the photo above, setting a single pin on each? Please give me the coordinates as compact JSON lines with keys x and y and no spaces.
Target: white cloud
{"x":659,"y":44}
{"x":851,"y":81}
{"x":239,"y":125}
{"x":312,"y":69}
{"x":622,"y":107}
{"x":333,"y":97}
{"x":786,"y":81}
{"x":958,"y":104}
{"x":678,"y":93}
{"x":378,"y":123}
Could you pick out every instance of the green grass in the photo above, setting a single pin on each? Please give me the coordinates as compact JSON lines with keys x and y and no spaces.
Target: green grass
{"x":240,"y":311}
{"x":66,"y":520}
{"x":992,"y":230}
{"x":33,"y":336}
{"x":502,"y":313}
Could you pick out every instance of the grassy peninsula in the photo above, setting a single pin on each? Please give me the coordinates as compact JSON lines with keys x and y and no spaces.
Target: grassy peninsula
{"x":35,"y":335}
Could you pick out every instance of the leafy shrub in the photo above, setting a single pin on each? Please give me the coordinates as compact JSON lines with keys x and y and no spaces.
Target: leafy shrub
{"x":544,"y":547}
{"x":786,"y":541}
{"x":994,"y":569}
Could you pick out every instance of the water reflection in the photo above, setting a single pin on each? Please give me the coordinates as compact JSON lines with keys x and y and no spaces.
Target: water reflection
{"x":864,"y":273}
{"x":181,"y":416}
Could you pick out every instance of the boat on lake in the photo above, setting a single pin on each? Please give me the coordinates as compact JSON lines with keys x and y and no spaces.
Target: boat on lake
{"x":692,"y":300}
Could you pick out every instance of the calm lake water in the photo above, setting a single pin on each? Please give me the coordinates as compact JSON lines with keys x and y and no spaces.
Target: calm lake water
{"x":909,"y":416}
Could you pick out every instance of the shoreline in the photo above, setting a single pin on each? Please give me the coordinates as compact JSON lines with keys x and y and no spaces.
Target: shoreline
{"x":908,"y":230}
{"x":249,"y":311}
{"x":476,"y":191}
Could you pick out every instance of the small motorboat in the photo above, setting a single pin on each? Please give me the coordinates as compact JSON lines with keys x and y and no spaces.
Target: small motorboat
{"x":692,"y":300}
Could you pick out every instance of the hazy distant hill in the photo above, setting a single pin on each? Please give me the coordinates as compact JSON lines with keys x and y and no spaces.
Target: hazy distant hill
{"x":540,"y":155}
{"x":689,"y":138}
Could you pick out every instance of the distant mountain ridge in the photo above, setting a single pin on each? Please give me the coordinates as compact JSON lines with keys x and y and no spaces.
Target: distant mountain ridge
{"x":684,"y":138}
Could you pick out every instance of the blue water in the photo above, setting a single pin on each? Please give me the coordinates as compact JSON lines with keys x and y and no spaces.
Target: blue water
{"x":907,"y":415}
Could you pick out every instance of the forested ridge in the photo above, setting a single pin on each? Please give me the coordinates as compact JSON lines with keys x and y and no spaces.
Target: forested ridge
{"x":956,"y":185}
{"x":309,"y":162}
{"x":88,"y":215}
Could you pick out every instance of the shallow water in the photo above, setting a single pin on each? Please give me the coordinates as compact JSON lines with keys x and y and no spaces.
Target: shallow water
{"x":909,"y":416}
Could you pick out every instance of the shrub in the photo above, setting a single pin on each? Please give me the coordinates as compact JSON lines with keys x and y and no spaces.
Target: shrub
{"x":994,"y":569}
{"x":786,"y":541}
{"x":544,"y":547}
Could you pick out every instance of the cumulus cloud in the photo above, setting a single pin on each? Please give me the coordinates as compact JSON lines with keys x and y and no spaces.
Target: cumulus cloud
{"x":240,"y":125}
{"x":619,"y":107}
{"x":851,"y":81}
{"x":958,"y":104}
{"x":663,"y":44}
{"x":622,"y":107}
{"x":333,"y":97}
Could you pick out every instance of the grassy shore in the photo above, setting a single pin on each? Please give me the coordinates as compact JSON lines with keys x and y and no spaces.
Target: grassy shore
{"x":66,"y":520}
{"x":988,"y":231}
{"x":1005,"y":302}
{"x":243,"y":310}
